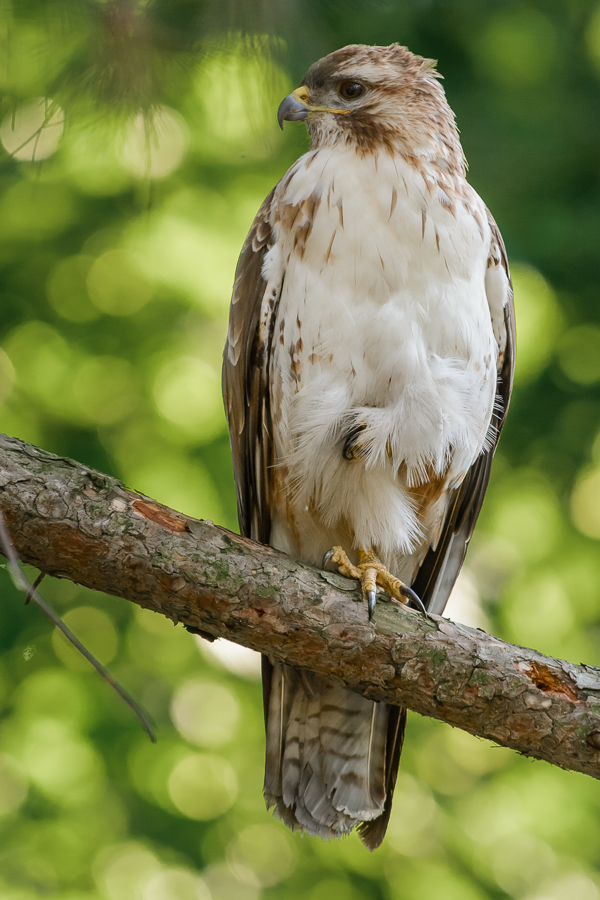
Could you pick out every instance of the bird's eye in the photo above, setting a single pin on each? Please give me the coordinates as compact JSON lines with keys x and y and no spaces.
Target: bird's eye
{"x":351,"y":90}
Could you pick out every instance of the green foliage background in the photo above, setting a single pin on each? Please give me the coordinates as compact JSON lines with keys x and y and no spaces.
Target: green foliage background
{"x":119,"y":235}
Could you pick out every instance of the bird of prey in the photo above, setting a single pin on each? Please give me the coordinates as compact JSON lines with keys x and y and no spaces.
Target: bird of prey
{"x":367,"y":374}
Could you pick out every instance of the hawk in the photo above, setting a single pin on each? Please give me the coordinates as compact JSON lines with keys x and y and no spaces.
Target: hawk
{"x":367,"y":374}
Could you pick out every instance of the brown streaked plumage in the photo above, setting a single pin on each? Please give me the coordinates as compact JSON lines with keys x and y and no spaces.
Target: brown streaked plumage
{"x":367,"y":375}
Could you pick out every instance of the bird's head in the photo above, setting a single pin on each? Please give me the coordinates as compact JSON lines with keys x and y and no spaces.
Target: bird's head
{"x":374,"y":97}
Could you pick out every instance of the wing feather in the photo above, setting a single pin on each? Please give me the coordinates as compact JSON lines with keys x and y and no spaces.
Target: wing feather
{"x":246,"y":392}
{"x":246,"y":380}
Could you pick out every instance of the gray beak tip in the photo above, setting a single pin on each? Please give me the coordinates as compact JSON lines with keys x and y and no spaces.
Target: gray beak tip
{"x":292,"y":110}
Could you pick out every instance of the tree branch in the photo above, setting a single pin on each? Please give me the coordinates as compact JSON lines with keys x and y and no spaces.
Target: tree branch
{"x":73,"y":522}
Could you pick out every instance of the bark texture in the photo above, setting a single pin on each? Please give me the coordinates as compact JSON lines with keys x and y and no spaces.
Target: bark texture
{"x":73,"y":522}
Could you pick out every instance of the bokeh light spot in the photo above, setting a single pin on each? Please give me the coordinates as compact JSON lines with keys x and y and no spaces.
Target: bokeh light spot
{"x":540,"y":319}
{"x":104,"y":390}
{"x":56,"y":693}
{"x":537,"y":612}
{"x":63,"y":765}
{"x":67,"y":291}
{"x":205,"y":713}
{"x":91,"y":158}
{"x":190,"y":257}
{"x":239,"y":660}
{"x":223,"y":884}
{"x":262,"y":854}
{"x":203,"y":786}
{"x":98,"y":390}
{"x":520,"y":861}
{"x":33,"y":131}
{"x":568,"y":887}
{"x":115,"y":286}
{"x":40,"y":356}
{"x":175,"y":884}
{"x":155,"y":143}
{"x":491,"y":813}
{"x":188,"y":394}
{"x":122,"y":872}
{"x":529,"y":518}
{"x":151,"y":765}
{"x":585,"y":504}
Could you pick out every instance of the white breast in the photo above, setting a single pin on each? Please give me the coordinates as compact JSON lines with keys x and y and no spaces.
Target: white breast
{"x":383,"y":319}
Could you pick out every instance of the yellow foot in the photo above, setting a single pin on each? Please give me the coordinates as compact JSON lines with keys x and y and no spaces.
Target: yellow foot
{"x":372,"y":574}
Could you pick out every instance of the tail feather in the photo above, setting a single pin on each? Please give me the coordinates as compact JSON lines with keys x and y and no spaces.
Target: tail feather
{"x":353,"y":741}
{"x":330,"y":753}
{"x":294,"y":742}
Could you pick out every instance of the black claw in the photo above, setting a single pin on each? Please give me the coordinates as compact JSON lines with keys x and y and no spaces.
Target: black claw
{"x":352,"y":449}
{"x":327,"y":557}
{"x":414,"y":599}
{"x":371,"y":603}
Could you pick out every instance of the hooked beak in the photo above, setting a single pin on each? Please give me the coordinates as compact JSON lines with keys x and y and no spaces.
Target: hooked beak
{"x":295,"y":107}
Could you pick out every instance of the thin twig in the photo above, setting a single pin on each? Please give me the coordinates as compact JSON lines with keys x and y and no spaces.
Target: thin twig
{"x":34,"y":587}
{"x":22,"y":584}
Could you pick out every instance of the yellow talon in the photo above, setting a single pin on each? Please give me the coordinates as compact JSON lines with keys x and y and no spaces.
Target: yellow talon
{"x":372,"y":574}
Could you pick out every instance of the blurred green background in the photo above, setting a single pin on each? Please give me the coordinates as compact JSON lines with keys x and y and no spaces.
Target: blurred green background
{"x":138,"y":140}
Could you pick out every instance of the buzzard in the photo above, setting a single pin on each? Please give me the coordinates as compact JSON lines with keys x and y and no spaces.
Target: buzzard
{"x":367,"y":374}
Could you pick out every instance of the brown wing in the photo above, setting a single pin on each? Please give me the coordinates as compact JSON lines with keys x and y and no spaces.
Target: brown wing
{"x":440,"y":568}
{"x":246,"y":390}
{"x":246,"y":380}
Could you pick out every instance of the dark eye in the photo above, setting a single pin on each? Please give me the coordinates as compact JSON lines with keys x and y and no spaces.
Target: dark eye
{"x":350,"y":90}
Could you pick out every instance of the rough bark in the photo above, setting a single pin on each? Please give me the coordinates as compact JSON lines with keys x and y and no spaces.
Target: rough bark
{"x":73,"y":522}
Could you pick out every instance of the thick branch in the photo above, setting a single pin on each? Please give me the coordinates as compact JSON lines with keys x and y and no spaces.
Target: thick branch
{"x":73,"y":522}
